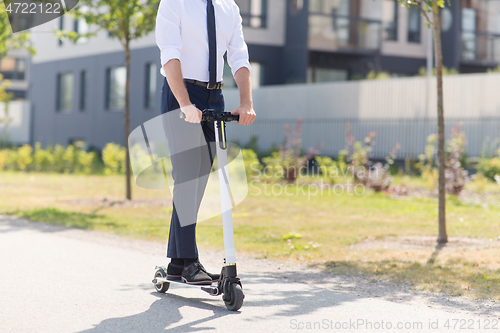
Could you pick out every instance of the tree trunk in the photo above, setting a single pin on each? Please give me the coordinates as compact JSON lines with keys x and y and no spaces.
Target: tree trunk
{"x":127,"y":121}
{"x":443,"y":237}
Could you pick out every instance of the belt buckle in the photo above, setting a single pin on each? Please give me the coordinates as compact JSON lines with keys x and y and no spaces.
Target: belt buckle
{"x":216,"y":86}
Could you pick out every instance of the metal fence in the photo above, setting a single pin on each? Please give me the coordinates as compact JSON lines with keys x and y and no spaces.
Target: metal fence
{"x":397,"y":110}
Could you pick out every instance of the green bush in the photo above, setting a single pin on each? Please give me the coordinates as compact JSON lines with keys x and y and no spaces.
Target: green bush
{"x":24,"y":157}
{"x":57,"y":159}
{"x":2,"y":160}
{"x":87,"y":162}
{"x":58,"y":153}
{"x":113,"y":156}
{"x":328,"y":168}
{"x":252,"y":165}
{"x":490,"y":166}
{"x":43,"y":159}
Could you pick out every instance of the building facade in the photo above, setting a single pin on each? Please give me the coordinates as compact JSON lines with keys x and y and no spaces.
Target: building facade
{"x":77,"y":90}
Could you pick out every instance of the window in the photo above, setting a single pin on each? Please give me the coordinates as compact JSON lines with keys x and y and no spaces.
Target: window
{"x":257,"y":74}
{"x":83,"y":90}
{"x":253,"y":13}
{"x":13,"y":68}
{"x":469,"y":39}
{"x":20,"y":68}
{"x":64,"y":92}
{"x":414,"y":24}
{"x":80,"y":26}
{"x":150,"y":94}
{"x":8,"y":67}
{"x":115,"y":88}
{"x":345,"y":24}
{"x":390,"y":19}
{"x":228,"y":77}
{"x":61,"y":27}
{"x":317,"y":74}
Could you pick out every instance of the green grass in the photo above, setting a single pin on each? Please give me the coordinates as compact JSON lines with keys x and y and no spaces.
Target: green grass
{"x":327,"y":225}
{"x":454,"y":277}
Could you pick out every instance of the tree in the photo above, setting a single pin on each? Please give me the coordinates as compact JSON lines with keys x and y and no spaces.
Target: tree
{"x":428,"y":8}
{"x":125,"y":20}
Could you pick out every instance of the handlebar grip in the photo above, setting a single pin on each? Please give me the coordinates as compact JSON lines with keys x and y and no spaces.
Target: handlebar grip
{"x":226,"y":116}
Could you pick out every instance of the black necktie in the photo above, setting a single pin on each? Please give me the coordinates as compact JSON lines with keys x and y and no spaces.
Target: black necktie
{"x":212,"y":44}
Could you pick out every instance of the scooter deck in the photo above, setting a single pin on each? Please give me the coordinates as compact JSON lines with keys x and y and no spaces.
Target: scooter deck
{"x":213,"y":285}
{"x":211,"y":289}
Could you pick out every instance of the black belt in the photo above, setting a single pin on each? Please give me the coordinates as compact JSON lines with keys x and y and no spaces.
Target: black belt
{"x":218,"y":85}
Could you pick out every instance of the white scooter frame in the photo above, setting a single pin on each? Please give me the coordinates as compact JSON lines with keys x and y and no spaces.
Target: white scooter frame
{"x":229,"y":284}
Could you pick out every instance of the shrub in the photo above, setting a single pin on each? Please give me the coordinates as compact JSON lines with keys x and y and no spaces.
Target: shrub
{"x":289,"y":161}
{"x":24,"y":157}
{"x":357,"y":155}
{"x":456,"y":176}
{"x":376,"y":177}
{"x":2,"y":160}
{"x":10,"y":159}
{"x":252,"y":164}
{"x":86,"y":162}
{"x":479,"y":182}
{"x":379,"y":178}
{"x":490,"y":167}
{"x":57,"y":159}
{"x":70,"y":159}
{"x":328,"y":168}
{"x":43,"y":159}
{"x":59,"y":163}
{"x":425,"y":164}
{"x":113,"y":156}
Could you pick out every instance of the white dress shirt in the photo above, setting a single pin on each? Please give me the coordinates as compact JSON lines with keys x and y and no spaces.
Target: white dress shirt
{"x":181,"y":33}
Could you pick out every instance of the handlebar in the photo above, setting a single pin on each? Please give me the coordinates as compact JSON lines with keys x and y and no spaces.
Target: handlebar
{"x":212,"y":115}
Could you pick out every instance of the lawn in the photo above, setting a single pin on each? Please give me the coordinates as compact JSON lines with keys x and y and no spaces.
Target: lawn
{"x":320,"y":229}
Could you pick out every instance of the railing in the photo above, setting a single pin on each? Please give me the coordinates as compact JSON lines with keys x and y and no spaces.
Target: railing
{"x":329,"y":134}
{"x":480,"y":46}
{"x":332,"y":32}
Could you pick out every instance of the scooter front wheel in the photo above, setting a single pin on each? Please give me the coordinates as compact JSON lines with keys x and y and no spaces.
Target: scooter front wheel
{"x":236,"y":297}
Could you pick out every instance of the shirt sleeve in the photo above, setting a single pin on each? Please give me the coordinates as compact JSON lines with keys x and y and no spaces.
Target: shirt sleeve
{"x":167,"y":31}
{"x":237,"y":50}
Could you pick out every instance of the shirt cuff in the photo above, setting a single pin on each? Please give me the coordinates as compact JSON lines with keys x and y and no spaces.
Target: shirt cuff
{"x":239,"y":65}
{"x":168,"y":54}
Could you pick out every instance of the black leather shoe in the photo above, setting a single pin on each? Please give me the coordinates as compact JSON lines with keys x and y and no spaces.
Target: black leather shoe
{"x":174,"y":272}
{"x":194,"y":274}
{"x":214,"y":277}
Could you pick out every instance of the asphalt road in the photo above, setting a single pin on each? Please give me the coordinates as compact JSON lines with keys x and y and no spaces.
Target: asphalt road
{"x":54,"y":279}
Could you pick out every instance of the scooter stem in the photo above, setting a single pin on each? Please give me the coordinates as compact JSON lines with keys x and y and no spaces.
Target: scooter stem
{"x":227,"y":217}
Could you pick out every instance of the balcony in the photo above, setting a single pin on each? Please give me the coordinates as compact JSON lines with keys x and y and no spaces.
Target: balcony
{"x":480,"y":47}
{"x":344,"y":33}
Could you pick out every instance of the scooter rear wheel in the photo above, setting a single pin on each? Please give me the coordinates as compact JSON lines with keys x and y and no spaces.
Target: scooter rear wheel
{"x":162,"y":287}
{"x":236,"y":298}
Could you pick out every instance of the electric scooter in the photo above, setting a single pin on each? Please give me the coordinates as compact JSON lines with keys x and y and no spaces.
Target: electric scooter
{"x":229,"y":285}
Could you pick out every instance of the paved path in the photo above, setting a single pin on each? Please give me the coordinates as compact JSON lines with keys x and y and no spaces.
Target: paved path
{"x":54,"y":279}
